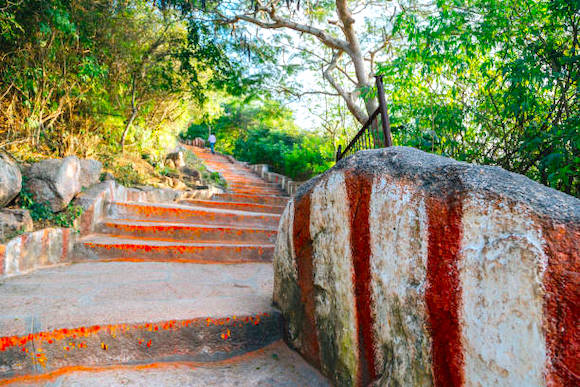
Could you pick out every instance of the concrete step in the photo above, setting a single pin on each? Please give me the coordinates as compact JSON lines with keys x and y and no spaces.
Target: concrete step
{"x":273,"y":365}
{"x":237,"y":174}
{"x":117,"y":313}
{"x":256,"y":191}
{"x":247,"y":198}
{"x":190,"y":214}
{"x":253,"y":185}
{"x":239,"y":206}
{"x":187,"y":232}
{"x":110,"y":248}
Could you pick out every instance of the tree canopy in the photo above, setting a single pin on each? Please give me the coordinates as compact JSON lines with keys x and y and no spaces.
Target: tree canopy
{"x":487,"y":81}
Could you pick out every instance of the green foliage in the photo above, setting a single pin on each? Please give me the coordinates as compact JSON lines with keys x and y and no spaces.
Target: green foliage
{"x":192,"y":161}
{"x":264,"y":133}
{"x":128,"y":176}
{"x":77,"y":77}
{"x":41,"y":212}
{"x":492,"y":82}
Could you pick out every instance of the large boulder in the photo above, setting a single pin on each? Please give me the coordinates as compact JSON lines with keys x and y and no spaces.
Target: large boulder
{"x":400,"y":267}
{"x":14,"y":222}
{"x":90,"y":172}
{"x":10,"y":179}
{"x":56,"y":181}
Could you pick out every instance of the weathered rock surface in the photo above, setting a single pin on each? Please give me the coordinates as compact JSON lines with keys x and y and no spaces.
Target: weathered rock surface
{"x":56,"y":181}
{"x":193,"y":173}
{"x":90,"y":172}
{"x":404,"y":268}
{"x":10,"y":179}
{"x":177,"y":158}
{"x":13,"y":222}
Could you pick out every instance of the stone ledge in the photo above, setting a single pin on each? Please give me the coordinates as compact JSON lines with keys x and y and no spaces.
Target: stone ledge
{"x":54,"y":246}
{"x":289,"y":186}
{"x":34,"y":250}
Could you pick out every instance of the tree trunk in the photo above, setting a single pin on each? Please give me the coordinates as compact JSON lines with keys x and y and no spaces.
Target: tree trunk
{"x":126,"y":130}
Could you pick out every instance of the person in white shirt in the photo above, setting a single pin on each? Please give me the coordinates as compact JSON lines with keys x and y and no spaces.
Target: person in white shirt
{"x":212,"y":140}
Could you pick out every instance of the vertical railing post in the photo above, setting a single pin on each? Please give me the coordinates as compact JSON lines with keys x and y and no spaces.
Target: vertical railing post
{"x":338,"y":152}
{"x":383,"y":108}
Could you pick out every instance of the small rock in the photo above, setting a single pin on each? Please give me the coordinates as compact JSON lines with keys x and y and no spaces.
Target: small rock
{"x":194,"y":173}
{"x":10,"y":179}
{"x":14,"y":222}
{"x":177,"y":158}
{"x":90,"y":172}
{"x":56,"y":181}
{"x":107,"y":176}
{"x":178,"y":184}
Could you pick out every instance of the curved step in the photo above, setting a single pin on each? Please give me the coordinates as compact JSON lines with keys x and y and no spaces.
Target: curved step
{"x":111,"y":248}
{"x":273,"y":365}
{"x":97,"y":314}
{"x":187,"y":232}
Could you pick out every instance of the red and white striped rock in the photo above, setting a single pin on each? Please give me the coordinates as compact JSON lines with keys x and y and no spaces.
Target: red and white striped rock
{"x":401,"y":267}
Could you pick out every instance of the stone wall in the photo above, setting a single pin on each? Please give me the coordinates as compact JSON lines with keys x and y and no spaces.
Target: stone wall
{"x":47,"y":247}
{"x":289,"y":186}
{"x":53,"y":246}
{"x":404,"y":268}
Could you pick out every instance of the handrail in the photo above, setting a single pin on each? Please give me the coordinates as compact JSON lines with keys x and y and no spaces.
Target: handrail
{"x":367,"y":138}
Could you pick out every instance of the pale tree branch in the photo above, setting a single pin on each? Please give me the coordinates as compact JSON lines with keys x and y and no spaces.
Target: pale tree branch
{"x":279,"y":22}
{"x":349,"y":97}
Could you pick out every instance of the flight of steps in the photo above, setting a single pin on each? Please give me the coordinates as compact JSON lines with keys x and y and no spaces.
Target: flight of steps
{"x":161,"y":294}
{"x":234,"y":227}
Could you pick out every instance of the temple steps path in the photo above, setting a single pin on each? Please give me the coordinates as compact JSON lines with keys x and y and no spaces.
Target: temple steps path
{"x":161,"y":294}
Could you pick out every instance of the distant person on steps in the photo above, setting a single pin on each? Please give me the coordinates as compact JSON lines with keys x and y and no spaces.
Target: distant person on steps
{"x":212,"y":140}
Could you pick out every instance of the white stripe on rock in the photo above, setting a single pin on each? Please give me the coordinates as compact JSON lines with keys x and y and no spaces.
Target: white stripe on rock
{"x":501,"y":275}
{"x":398,"y":228}
{"x":333,"y":273}
{"x":285,"y":270}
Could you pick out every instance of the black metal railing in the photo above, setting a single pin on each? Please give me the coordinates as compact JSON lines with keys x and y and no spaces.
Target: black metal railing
{"x":376,"y":132}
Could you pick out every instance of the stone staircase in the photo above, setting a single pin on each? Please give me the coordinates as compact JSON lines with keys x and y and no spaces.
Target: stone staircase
{"x":164,"y":294}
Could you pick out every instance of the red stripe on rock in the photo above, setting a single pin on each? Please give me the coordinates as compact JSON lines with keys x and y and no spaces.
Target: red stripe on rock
{"x":562,"y":304}
{"x":304,"y":257}
{"x":2,"y":258}
{"x":358,"y":189}
{"x":443,"y":293}
{"x":65,"y":243}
